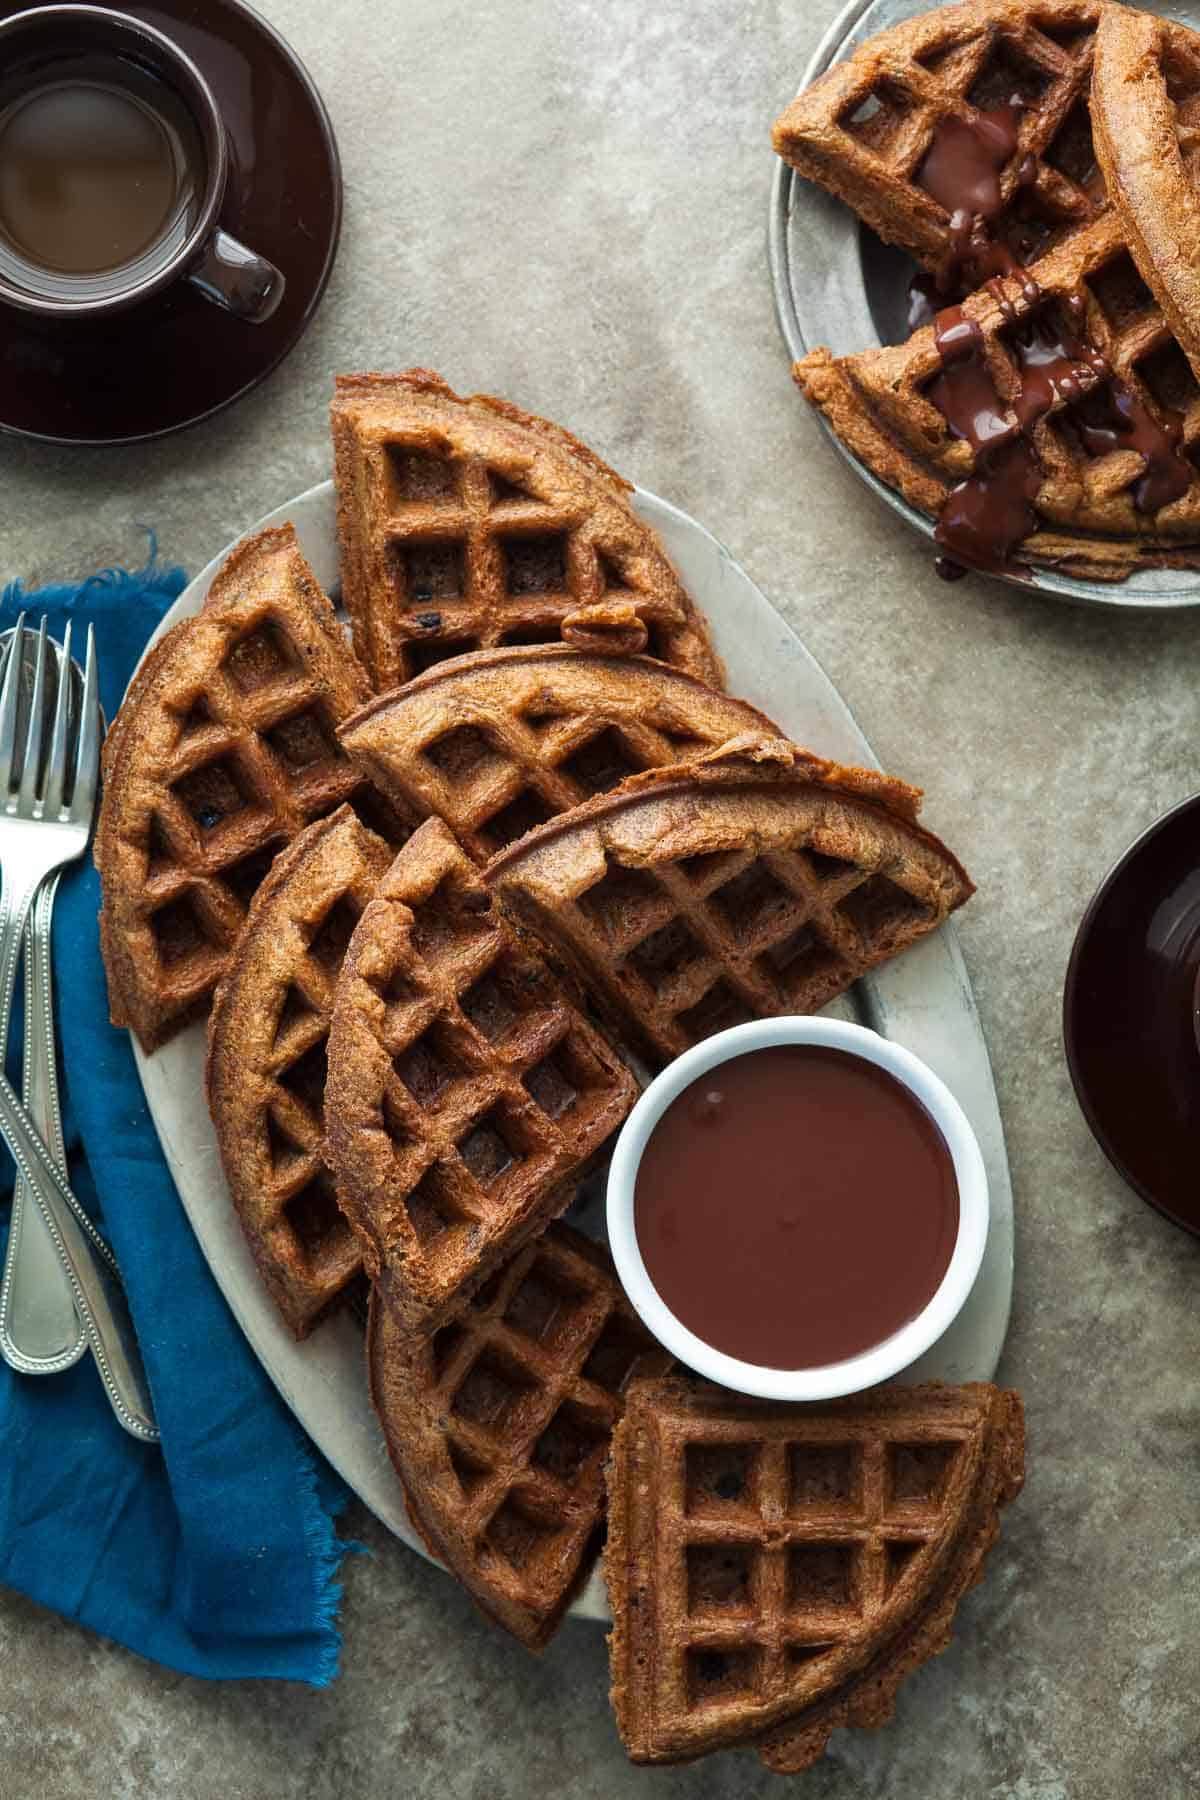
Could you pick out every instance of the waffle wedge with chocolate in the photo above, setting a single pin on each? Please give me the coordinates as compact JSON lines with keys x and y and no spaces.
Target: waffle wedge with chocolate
{"x":1049,"y":420}
{"x":223,"y":750}
{"x":465,"y":523}
{"x":967,"y":115}
{"x":465,"y":1092}
{"x":758,"y":880}
{"x":266,"y":1063}
{"x":499,"y":1426}
{"x":503,"y":740}
{"x":776,"y":1571}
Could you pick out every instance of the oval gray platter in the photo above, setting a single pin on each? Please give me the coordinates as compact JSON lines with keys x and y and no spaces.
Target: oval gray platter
{"x":837,"y":285}
{"x":923,"y":999}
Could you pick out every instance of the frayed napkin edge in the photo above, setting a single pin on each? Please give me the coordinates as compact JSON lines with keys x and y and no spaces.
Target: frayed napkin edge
{"x":115,"y":587}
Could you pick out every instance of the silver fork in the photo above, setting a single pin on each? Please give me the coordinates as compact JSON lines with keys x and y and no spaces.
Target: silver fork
{"x":40,"y":830}
{"x":40,"y":1330}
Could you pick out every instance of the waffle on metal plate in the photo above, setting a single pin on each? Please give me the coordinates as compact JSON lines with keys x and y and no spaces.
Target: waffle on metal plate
{"x":503,"y":740}
{"x":499,"y":1425}
{"x":1146,"y":115}
{"x":465,"y":1087}
{"x":465,"y":523}
{"x":760,"y":880}
{"x":1101,"y":509}
{"x":223,"y":750}
{"x":864,"y":129}
{"x":267,"y":1035}
{"x":776,"y":1571}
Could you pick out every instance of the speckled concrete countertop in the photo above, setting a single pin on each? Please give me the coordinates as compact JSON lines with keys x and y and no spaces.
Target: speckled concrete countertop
{"x":566,"y":203}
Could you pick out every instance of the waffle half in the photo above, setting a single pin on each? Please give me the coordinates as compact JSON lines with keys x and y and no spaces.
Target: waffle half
{"x":222,"y":752}
{"x":1146,"y":112}
{"x":465,"y":523}
{"x":865,"y":128}
{"x":776,"y":1571}
{"x":464,"y":1086}
{"x":266,"y":1063}
{"x":504,"y":740}
{"x":499,"y":1426}
{"x":759,"y":880}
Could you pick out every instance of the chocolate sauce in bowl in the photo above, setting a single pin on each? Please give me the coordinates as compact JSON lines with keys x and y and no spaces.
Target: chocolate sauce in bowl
{"x":796,"y":1206}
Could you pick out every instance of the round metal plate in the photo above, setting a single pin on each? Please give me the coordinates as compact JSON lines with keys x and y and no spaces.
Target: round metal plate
{"x":837,"y":285}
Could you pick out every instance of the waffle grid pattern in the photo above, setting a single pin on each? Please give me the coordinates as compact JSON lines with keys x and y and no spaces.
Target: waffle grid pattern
{"x":528,"y":1381}
{"x":772,"y":1554}
{"x":776,"y":1571}
{"x":710,"y":941}
{"x":269,"y":1113}
{"x":865,"y":129}
{"x":1083,"y":489}
{"x":477,"y":560}
{"x":490,"y":1088}
{"x":257,"y":759}
{"x":497,"y":749}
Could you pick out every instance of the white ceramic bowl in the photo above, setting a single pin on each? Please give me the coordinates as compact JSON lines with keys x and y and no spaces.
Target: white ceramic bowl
{"x":881,"y":1360}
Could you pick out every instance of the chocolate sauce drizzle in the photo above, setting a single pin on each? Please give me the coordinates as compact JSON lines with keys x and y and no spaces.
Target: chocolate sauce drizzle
{"x":987,"y":515}
{"x":1132,"y":426}
{"x":962,"y":167}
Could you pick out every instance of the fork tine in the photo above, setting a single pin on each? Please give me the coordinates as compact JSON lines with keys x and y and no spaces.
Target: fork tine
{"x":56,"y":768}
{"x":35,"y":731}
{"x":10,"y":702}
{"x":87,"y":754}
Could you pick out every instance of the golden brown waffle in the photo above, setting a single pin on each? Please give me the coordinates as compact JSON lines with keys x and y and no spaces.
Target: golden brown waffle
{"x":465,"y":523}
{"x":499,"y":1426}
{"x":1146,"y":116}
{"x":776,"y":1571}
{"x":501,"y":741}
{"x":266,"y":1063}
{"x":759,"y":880}
{"x":1087,"y":523}
{"x":223,"y":750}
{"x":464,"y":1087}
{"x":864,"y":128}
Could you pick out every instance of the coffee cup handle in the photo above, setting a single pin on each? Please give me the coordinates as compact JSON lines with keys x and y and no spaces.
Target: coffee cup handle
{"x":236,"y":279}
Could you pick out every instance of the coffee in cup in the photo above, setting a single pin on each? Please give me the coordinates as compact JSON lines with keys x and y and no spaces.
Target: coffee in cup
{"x":113,"y":166}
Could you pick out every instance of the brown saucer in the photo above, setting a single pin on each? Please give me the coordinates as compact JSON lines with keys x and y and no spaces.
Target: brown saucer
{"x":1129,"y":1015}
{"x":177,"y":359}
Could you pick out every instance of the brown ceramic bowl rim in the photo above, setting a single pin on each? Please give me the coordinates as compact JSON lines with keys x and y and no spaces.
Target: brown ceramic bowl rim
{"x":201,"y":101}
{"x":1093,"y":1120}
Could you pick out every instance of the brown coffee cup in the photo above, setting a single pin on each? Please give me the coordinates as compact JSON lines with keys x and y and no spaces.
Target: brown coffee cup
{"x":71,"y":74}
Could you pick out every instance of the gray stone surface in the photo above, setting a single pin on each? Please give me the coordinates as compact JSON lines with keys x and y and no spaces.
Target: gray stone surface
{"x":566,"y":203}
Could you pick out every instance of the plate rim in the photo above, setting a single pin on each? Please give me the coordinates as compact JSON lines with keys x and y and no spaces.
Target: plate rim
{"x":786,"y":183}
{"x":1102,"y":893}
{"x":589,"y":1602}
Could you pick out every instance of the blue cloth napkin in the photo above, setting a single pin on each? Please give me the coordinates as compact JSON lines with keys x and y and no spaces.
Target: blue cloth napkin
{"x":216,"y":1552}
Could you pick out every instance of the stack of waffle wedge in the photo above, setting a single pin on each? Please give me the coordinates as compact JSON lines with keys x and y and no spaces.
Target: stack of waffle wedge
{"x":1039,"y":160}
{"x":446,"y":887}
